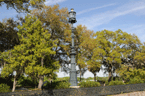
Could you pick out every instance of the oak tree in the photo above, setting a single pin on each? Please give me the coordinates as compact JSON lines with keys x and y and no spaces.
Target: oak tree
{"x":22,"y":5}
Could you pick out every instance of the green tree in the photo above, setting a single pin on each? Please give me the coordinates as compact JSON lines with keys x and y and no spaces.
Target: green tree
{"x":16,"y":62}
{"x":28,"y":57}
{"x":108,"y":50}
{"x":85,"y":47}
{"x":8,"y":37}
{"x":8,"y":34}
{"x":128,"y":74}
{"x":54,"y":20}
{"x":22,"y":5}
{"x":39,"y":43}
{"x":139,"y":57}
{"x":82,"y":42}
{"x":131,"y":46}
{"x":94,"y":67}
{"x":94,"y":58}
{"x":117,"y":47}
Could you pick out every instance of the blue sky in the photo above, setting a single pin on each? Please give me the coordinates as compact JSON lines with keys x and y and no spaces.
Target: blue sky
{"x":97,"y":15}
{"x":127,"y":15}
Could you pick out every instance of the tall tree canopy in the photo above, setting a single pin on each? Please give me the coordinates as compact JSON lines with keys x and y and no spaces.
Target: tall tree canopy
{"x":35,"y":46}
{"x":115,"y":48}
{"x":83,"y":42}
{"x":55,"y":21}
{"x":139,"y":57}
{"x":22,"y":5}
{"x":8,"y":34}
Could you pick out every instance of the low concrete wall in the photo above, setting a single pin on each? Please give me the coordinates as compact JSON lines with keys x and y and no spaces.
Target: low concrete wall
{"x":90,"y":91}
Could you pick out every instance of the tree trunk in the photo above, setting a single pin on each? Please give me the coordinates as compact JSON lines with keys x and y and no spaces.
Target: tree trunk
{"x":42,"y":61}
{"x":40,"y":82}
{"x":110,"y":74}
{"x":14,"y":84}
{"x":49,"y":78}
{"x":1,"y":67}
{"x":80,"y":76}
{"x":4,"y":63}
{"x":41,"y":78}
{"x":95,"y":77}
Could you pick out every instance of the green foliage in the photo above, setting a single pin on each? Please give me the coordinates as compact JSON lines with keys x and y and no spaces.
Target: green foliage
{"x":139,"y":57}
{"x":89,"y":84}
{"x":4,"y":88}
{"x":131,"y":76}
{"x":114,"y":47}
{"x":62,"y":85}
{"x":106,"y":82}
{"x":135,"y":80}
{"x":22,"y":5}
{"x":45,"y":78}
{"x":118,"y":79}
{"x":32,"y":55}
{"x":78,"y":78}
{"x":39,"y":44}
{"x":58,"y":85}
{"x":102,"y":78}
{"x":116,"y":83}
{"x":90,"y":78}
{"x":8,"y":35}
{"x":7,"y":80}
{"x":26,"y":81}
{"x":86,"y":44}
{"x":66,"y":79}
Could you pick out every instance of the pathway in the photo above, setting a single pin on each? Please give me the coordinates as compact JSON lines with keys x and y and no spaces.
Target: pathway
{"x":138,"y":93}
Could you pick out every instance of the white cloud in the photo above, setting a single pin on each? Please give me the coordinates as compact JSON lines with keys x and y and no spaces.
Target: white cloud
{"x":103,"y":18}
{"x":51,"y":2}
{"x":88,"y":10}
{"x":139,"y":30}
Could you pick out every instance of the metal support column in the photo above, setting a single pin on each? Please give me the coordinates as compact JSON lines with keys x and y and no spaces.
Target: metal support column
{"x":73,"y":74}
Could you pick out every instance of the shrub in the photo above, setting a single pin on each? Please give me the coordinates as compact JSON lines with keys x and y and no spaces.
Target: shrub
{"x":106,"y":83}
{"x":135,"y":80}
{"x":116,"y":83}
{"x":118,"y":78}
{"x":62,"y":85}
{"x":7,"y":80}
{"x":78,"y":78}
{"x":102,"y":78}
{"x":90,"y":78}
{"x":66,"y":79}
{"x":89,"y":84}
{"x":4,"y":88}
{"x":61,"y":80}
{"x":26,"y":81}
{"x":58,"y":85}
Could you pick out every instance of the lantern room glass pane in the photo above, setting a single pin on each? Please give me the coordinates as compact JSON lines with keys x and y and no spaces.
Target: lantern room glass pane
{"x":74,"y":15}
{"x":71,"y":15}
